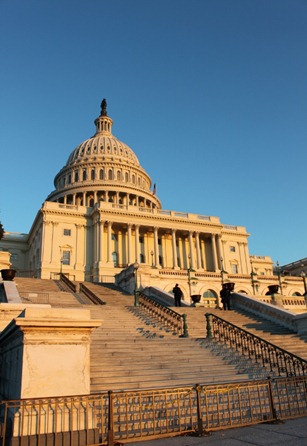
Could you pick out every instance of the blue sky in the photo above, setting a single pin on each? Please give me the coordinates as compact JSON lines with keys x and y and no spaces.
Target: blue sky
{"x":210,"y":94}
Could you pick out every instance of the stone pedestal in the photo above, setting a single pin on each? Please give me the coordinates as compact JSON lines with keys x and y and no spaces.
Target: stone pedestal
{"x":46,"y":352}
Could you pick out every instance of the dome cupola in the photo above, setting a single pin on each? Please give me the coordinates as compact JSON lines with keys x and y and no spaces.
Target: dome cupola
{"x":102,"y":168}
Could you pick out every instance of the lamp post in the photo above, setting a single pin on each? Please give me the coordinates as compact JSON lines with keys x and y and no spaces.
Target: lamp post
{"x":222,"y":271}
{"x":136,"y":293}
{"x":253,"y":274}
{"x":191,"y":280}
{"x":279,"y":276}
{"x":303,"y":276}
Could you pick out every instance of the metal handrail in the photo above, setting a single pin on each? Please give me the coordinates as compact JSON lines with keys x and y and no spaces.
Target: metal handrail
{"x":165,"y":315}
{"x":261,"y":351}
{"x":92,"y":296}
{"x":68,"y":282}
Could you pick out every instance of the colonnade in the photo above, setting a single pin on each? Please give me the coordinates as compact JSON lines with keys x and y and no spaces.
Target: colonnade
{"x":122,"y":244}
{"x":118,"y":198}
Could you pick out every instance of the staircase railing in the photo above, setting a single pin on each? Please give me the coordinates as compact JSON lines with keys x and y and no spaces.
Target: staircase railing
{"x":92,"y":296}
{"x":265,"y":353}
{"x":68,"y":283}
{"x":165,"y":315}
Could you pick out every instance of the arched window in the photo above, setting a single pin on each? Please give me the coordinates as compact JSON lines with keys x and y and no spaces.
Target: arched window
{"x":110,"y":176}
{"x":76,"y":177}
{"x":101,"y":174}
{"x":126,"y":177}
{"x":133,"y":179}
{"x":210,"y":293}
{"x":84,"y":176}
{"x":118,"y":175}
{"x":69,"y":178}
{"x":93,"y":174}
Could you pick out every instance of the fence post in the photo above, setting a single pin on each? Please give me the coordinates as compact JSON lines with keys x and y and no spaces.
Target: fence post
{"x":110,"y":420}
{"x":274,"y":414}
{"x":200,"y":428}
{"x":209,"y":327}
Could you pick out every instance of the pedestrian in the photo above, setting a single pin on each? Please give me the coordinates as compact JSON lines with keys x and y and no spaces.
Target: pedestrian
{"x":178,"y":295}
{"x":225,"y":296}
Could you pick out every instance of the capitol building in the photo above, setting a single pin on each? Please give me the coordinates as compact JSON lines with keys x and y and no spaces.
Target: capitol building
{"x":104,"y":217}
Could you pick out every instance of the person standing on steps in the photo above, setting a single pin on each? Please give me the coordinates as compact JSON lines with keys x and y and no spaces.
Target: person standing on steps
{"x":178,"y":295}
{"x":225,"y":296}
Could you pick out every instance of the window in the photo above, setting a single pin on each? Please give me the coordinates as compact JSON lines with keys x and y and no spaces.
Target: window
{"x":101,"y":174}
{"x":234,"y":269}
{"x":67,"y":232}
{"x":93,"y":174}
{"x":66,"y":258}
{"x":210,"y":293}
{"x":114,"y":258}
{"x":232,"y":249}
{"x":84,"y":175}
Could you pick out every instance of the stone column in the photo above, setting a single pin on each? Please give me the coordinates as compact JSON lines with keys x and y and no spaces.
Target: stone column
{"x":214,"y":256}
{"x":109,"y":256}
{"x":137,"y":244}
{"x":175,"y":262}
{"x":220,"y":252}
{"x":156,"y":244}
{"x":129,"y":245}
{"x":101,"y":241}
{"x":79,"y":247}
{"x":198,"y":257}
{"x":191,"y":250}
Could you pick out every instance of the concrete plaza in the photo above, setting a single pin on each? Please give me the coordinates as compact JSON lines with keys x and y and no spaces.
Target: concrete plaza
{"x":290,"y":432}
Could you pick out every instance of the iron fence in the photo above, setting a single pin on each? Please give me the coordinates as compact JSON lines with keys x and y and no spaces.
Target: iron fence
{"x":275,"y":359}
{"x":128,"y":416}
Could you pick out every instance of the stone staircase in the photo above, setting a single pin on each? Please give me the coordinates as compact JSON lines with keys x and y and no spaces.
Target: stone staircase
{"x":132,"y":351}
{"x":265,"y":329}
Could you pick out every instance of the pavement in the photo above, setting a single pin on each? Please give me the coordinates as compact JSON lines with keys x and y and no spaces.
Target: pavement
{"x":289,"y":432}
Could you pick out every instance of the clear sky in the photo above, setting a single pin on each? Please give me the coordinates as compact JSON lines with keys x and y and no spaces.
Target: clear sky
{"x":210,"y":94}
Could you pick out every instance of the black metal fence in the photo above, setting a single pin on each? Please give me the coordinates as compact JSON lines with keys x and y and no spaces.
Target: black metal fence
{"x":277,"y":360}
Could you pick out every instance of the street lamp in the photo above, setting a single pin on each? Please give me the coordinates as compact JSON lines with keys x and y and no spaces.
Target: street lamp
{"x":253,"y":274}
{"x":136,"y":293}
{"x":303,"y":275}
{"x":222,"y":271}
{"x":279,"y":276}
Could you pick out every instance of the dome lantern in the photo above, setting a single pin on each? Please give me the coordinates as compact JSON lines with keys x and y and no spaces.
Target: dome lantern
{"x":103,"y":123}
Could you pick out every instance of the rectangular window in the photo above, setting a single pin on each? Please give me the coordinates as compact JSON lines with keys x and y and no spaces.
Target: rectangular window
{"x":66,"y":258}
{"x":67,"y":232}
{"x":232,"y":249}
{"x":234,"y":269}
